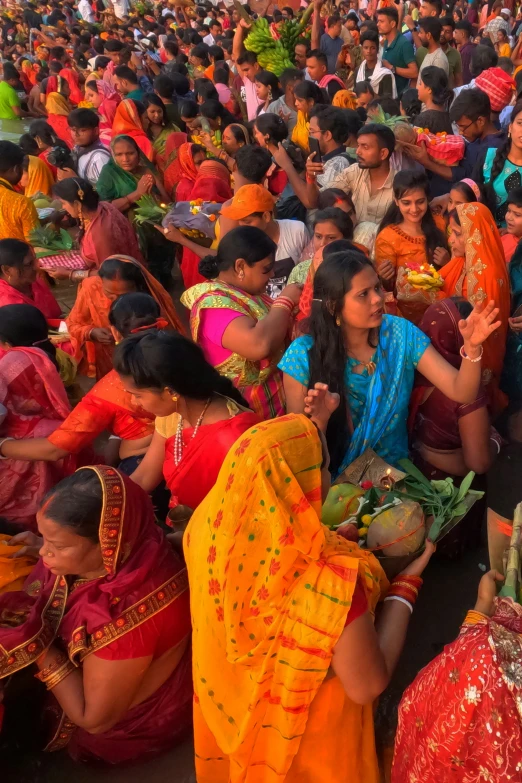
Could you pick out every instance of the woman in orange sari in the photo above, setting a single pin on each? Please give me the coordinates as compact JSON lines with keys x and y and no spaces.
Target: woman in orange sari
{"x":88,"y":321}
{"x":107,"y":406}
{"x":478,"y":272}
{"x":276,"y":600}
{"x":127,"y":122}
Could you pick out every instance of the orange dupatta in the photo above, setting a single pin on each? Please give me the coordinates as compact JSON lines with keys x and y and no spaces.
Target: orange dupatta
{"x":271,"y":588}
{"x":91,"y":310}
{"x":127,"y":122}
{"x":479,"y":277}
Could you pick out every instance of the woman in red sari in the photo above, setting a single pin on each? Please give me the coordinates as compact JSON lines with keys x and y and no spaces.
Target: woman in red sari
{"x":460,"y":720}
{"x":58,"y":108}
{"x":35,"y":402}
{"x":179,"y":176}
{"x":110,"y":591}
{"x":107,"y":406}
{"x":127,"y":122}
{"x":18,"y":279}
{"x":104,"y":230}
{"x":199,"y":413}
{"x":88,"y":321}
{"x":212,"y":184}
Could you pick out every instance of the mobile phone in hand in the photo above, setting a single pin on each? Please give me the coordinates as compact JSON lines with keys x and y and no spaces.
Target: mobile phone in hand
{"x":314,"y":147}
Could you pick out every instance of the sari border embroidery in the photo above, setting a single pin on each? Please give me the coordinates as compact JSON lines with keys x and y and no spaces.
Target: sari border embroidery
{"x":112,"y":515}
{"x":84,"y":644}
{"x":62,"y":735}
{"x":25,"y":654}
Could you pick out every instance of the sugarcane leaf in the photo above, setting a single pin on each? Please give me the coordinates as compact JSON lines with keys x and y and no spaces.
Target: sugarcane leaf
{"x":465,"y":485}
{"x":409,"y":468}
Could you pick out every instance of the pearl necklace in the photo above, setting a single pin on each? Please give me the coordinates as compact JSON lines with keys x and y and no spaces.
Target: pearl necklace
{"x":178,"y":439}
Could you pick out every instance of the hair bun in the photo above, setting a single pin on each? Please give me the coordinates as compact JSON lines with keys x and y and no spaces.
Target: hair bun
{"x":208,"y":267}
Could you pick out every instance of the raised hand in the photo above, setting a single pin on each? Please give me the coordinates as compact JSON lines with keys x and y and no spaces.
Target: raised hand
{"x":487,"y":591}
{"x":320,"y":403}
{"x":478,"y":326}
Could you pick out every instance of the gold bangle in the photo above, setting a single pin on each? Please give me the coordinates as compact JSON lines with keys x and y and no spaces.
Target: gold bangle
{"x":48,"y":671}
{"x":64,"y":671}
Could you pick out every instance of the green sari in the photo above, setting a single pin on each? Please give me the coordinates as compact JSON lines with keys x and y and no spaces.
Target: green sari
{"x":114,"y":183}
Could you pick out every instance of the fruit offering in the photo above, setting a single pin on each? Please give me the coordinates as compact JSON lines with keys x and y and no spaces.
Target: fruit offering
{"x":425,"y":277}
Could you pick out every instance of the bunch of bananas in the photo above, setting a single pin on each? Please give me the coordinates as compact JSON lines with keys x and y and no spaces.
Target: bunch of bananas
{"x":271,"y":55}
{"x":426,"y":278}
{"x":293,"y":29}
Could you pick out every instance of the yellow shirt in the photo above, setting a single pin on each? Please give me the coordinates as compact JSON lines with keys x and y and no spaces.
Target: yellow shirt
{"x":18,"y":215}
{"x":504,"y":50}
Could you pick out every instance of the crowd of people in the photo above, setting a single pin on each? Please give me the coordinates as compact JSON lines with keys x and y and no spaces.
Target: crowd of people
{"x":176,"y":403}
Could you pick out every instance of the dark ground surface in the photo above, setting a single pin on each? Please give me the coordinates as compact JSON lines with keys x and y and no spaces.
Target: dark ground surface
{"x":449,"y":590}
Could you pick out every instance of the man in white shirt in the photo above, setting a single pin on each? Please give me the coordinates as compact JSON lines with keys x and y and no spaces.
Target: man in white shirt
{"x":121,"y":8}
{"x":89,"y":154}
{"x":430,"y":30}
{"x":85,"y":11}
{"x":215,"y":32}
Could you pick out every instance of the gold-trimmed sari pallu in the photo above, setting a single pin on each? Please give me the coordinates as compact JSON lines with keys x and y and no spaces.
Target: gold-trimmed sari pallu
{"x":260,"y":382}
{"x":83,"y":617}
{"x":271,"y":589}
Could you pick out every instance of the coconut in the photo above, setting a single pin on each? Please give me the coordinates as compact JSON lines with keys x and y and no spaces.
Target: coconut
{"x":405,"y":133}
{"x":42,"y":203}
{"x":342,"y":502}
{"x":397,"y":531}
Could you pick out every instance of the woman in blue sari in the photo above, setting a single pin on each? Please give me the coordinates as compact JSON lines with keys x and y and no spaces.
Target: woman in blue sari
{"x":364,"y":363}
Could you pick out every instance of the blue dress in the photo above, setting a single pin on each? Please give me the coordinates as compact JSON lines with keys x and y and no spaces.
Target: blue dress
{"x":378,"y":402}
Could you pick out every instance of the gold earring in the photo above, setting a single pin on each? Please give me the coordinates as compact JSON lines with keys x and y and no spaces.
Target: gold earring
{"x":338,"y":320}
{"x":175,"y":398}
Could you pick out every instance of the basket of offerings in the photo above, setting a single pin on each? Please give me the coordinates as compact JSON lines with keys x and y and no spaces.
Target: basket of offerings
{"x":393,"y":518}
{"x":196,"y":219}
{"x":54,"y":248}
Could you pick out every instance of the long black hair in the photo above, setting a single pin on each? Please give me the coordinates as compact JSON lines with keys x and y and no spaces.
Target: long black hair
{"x":404,"y":182}
{"x":246,"y":242}
{"x":23,"y":325}
{"x":133,"y":311}
{"x":167,"y":360}
{"x":69,"y":190}
{"x":411,"y":104}
{"x":76,"y":502}
{"x":499,"y":161}
{"x":327,"y":355}
{"x":338,"y":217}
{"x":436,"y":80}
{"x":273,"y":126}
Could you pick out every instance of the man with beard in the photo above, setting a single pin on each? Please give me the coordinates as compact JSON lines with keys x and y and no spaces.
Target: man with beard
{"x":369,"y":182}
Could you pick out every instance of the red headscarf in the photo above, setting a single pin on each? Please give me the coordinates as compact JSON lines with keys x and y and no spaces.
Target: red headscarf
{"x":143,"y":577}
{"x":498,"y":85}
{"x":212,"y":182}
{"x":127,"y":122}
{"x":182,"y":168}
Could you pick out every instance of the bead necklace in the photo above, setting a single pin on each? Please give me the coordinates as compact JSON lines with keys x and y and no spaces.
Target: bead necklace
{"x":178,"y":439}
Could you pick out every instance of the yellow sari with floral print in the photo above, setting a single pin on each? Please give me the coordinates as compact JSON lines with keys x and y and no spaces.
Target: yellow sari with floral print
{"x":270,"y":589}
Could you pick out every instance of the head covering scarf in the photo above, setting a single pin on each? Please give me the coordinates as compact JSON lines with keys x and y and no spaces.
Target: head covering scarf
{"x":212,"y":182}
{"x":39,"y":178}
{"x":142,"y":578}
{"x":479,"y":276}
{"x":271,"y":588}
{"x":29,"y":72}
{"x":344,"y":99}
{"x":55,"y":103}
{"x":127,"y":122}
{"x":71,"y":77}
{"x":183,"y":167}
{"x":110,"y":102}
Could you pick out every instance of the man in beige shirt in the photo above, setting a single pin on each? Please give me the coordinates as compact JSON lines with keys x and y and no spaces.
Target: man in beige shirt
{"x":370,"y":181}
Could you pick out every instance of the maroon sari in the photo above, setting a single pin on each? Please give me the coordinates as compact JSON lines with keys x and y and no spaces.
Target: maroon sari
{"x":144,"y":595}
